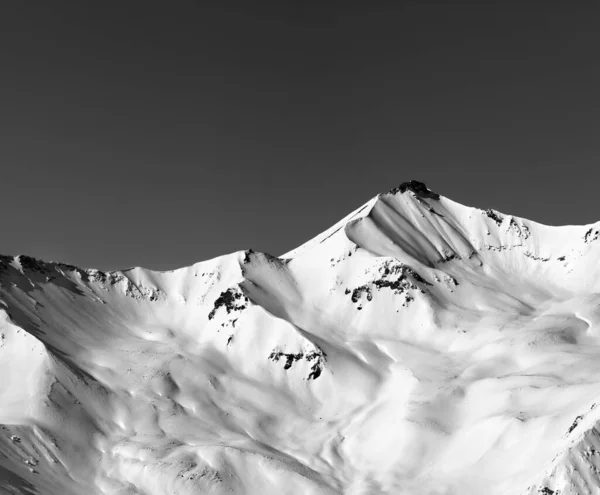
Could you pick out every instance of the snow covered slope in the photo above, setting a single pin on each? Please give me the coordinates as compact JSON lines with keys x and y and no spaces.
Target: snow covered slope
{"x":418,"y":347}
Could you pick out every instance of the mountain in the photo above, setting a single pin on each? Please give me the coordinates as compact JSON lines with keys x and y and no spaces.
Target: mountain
{"x":417,"y":347}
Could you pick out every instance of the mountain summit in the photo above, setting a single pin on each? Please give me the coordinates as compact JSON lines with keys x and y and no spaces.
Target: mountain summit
{"x":417,"y":347}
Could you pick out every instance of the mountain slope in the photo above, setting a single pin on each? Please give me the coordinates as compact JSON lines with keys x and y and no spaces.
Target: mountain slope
{"x":417,"y":347}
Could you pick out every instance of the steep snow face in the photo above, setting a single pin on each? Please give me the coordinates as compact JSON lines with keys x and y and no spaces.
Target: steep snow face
{"x":417,"y":347}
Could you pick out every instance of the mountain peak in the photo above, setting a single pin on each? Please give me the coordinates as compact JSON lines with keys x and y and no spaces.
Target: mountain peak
{"x":416,"y":187}
{"x":425,"y":346}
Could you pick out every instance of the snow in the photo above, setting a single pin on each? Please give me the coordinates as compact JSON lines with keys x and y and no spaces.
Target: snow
{"x":418,"y":347}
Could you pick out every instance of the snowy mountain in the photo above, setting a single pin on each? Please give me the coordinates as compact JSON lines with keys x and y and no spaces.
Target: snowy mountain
{"x":418,"y":347}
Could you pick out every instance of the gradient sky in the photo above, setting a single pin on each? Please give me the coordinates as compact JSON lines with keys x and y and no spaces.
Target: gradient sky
{"x":164,"y":133}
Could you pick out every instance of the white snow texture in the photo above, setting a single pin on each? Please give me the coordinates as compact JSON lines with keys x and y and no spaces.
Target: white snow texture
{"x":418,"y":347}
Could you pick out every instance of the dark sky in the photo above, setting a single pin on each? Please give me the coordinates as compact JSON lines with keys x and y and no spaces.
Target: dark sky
{"x":161,"y":134}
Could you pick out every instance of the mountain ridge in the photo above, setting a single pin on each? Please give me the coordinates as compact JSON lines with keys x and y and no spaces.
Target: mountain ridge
{"x":417,"y":188}
{"x":410,"y":348}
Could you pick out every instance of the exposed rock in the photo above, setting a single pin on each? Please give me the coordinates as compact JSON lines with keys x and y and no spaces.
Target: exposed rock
{"x":318,"y":356}
{"x":537,"y":257}
{"x":518,"y":230}
{"x":591,"y":235}
{"x":391,"y":275}
{"x":575,"y":423}
{"x":247,"y":254}
{"x":446,"y":257}
{"x":494,"y":215}
{"x":419,"y":189}
{"x":231,"y":299}
{"x":290,"y":358}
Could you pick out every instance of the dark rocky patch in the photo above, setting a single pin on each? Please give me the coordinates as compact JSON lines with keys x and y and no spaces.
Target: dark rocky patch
{"x":395,"y":285}
{"x":578,"y":419}
{"x":521,"y":231}
{"x":289,"y":358}
{"x":575,"y":423}
{"x":315,"y":371}
{"x":37,"y":272}
{"x":499,"y":249}
{"x":494,"y":216}
{"x":30,"y":264}
{"x":358,"y":292}
{"x":449,"y":257}
{"x":107,"y":279}
{"x":591,"y":236}
{"x":419,"y":189}
{"x":397,"y":277}
{"x":536,"y":257}
{"x":318,"y":356}
{"x":231,"y":299}
{"x":247,"y":254}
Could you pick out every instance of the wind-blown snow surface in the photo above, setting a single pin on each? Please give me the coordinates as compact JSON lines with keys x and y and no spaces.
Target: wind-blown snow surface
{"x":417,"y":347}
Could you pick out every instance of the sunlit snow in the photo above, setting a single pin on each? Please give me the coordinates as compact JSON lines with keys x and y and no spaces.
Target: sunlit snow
{"x":418,"y":347}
